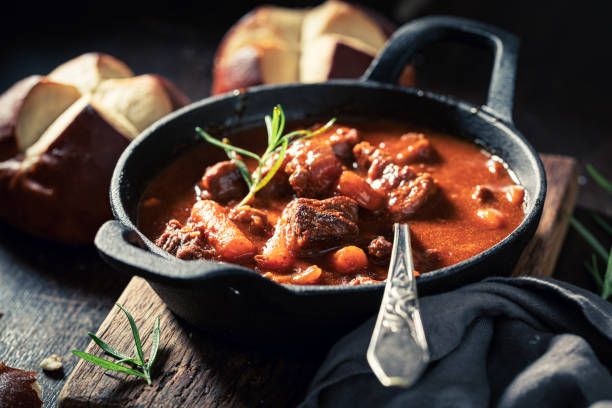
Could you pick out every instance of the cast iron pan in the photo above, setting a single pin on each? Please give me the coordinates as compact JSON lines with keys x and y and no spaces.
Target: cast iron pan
{"x":239,"y":303}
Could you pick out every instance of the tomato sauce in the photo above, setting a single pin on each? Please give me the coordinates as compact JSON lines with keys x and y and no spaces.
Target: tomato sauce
{"x":476,"y":204}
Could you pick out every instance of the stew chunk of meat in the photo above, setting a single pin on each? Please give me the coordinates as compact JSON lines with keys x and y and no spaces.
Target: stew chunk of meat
{"x":309,"y":227}
{"x":256,"y":220}
{"x":228,"y":241}
{"x":183,"y":241}
{"x":316,"y":226}
{"x":405,"y":200}
{"x":418,"y":148}
{"x":380,"y":249}
{"x":222,"y":182}
{"x":313,"y":169}
{"x":342,"y":142}
{"x":406,"y":189}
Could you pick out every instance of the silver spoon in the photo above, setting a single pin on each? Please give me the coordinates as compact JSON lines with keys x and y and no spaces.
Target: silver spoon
{"x":398,"y":352}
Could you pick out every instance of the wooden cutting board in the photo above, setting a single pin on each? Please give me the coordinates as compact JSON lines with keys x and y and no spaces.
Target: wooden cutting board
{"x":196,"y":371}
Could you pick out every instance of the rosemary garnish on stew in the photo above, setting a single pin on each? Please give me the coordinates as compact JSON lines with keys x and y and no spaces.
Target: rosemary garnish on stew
{"x":277,"y":144}
{"x":136,"y":365}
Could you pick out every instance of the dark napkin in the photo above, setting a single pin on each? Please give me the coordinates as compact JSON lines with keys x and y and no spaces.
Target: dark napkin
{"x":505,"y":342}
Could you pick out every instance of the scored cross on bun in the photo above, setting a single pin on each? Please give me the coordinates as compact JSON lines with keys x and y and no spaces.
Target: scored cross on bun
{"x":275,"y":45}
{"x":60,"y":136}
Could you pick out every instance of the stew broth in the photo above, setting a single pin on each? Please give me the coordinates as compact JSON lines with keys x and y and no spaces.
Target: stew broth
{"x":474,"y":204}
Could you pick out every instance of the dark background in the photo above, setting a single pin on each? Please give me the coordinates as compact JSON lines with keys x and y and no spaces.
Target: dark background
{"x":51,"y":295}
{"x":563,"y":79}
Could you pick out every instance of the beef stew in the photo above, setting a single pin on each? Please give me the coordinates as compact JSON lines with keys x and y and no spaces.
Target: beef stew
{"x":326,"y":216}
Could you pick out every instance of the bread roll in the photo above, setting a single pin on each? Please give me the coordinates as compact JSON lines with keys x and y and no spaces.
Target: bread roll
{"x":28,"y":108}
{"x":59,"y":142}
{"x":274,"y":45}
{"x":87,"y":71}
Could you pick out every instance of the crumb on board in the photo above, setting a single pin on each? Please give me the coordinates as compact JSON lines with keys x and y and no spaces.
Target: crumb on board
{"x":51,"y":363}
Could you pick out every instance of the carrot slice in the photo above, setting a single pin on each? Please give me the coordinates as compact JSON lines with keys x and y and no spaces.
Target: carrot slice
{"x":222,"y":234}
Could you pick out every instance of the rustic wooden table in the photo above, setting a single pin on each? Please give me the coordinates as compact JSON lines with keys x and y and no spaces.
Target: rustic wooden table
{"x":50,"y":295}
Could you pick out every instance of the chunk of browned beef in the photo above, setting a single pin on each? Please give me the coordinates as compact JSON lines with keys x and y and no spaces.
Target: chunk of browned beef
{"x":380,"y":249}
{"x":384,"y":175}
{"x":342,"y":142}
{"x":183,"y":242}
{"x":415,"y":147}
{"x":363,"y":152}
{"x":405,"y":200}
{"x":317,"y":226}
{"x":313,"y":169}
{"x":222,"y":182}
{"x":256,"y":220}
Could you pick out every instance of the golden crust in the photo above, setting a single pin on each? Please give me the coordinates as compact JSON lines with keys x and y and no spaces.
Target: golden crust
{"x":269,"y":36}
{"x":59,"y":142}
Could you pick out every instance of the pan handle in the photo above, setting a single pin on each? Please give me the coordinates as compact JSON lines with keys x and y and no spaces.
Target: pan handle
{"x":412,"y":37}
{"x":113,"y":244}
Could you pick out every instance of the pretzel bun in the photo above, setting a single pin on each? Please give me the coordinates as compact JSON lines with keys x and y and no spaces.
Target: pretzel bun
{"x":88,"y":70}
{"x":19,"y":388}
{"x":275,"y":45}
{"x":59,"y":142}
{"x":28,"y":108}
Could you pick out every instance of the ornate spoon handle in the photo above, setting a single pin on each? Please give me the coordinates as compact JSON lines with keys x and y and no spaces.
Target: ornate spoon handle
{"x":398,"y":352}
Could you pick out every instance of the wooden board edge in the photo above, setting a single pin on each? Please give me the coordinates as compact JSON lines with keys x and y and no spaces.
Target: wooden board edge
{"x":64,"y":398}
{"x":552,"y":229}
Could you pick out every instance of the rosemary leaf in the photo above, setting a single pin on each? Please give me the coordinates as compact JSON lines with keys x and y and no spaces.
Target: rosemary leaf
{"x":602,"y":223}
{"x":134,"y":333}
{"x":155,"y":345}
{"x":305,"y":134}
{"x":277,"y":143}
{"x":275,"y":167}
{"x":224,"y":146}
{"x":281,"y":126}
{"x":109,"y":365}
{"x":268,"y":122}
{"x":275,"y":123}
{"x":601,"y":180}
{"x":607,"y":281}
{"x":590,"y":238}
{"x":594,"y":271}
{"x":123,"y":360}
{"x":111,"y":351}
{"x":242,"y":168}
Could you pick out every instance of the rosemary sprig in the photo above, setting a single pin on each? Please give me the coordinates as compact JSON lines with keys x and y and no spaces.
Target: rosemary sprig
{"x":601,"y":180}
{"x":603,"y":284}
{"x":139,"y":366}
{"x":277,"y":144}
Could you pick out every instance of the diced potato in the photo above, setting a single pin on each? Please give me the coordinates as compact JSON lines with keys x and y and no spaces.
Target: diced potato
{"x":491,"y":217}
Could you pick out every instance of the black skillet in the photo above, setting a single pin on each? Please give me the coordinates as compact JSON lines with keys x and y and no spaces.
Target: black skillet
{"x":238,"y":302}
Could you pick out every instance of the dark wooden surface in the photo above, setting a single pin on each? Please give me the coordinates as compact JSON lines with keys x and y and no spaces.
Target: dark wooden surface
{"x":51,"y":295}
{"x":194,"y":371}
{"x":198,"y":372}
{"x":540,"y":256}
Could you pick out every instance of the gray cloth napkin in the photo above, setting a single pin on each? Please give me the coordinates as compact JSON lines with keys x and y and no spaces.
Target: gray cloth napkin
{"x":505,"y":342}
